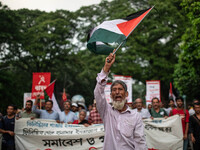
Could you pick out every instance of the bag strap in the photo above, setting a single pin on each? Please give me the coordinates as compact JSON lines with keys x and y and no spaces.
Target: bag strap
{"x":196,"y":119}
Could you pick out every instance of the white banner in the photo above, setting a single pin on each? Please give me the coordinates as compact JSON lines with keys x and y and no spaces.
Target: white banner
{"x":49,"y":135}
{"x":128,"y":81}
{"x":152,"y":90}
{"x":162,"y":134}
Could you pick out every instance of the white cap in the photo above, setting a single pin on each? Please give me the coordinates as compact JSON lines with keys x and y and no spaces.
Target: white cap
{"x":74,"y":104}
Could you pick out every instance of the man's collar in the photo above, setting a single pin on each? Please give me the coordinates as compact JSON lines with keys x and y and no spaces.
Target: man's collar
{"x":127,"y":109}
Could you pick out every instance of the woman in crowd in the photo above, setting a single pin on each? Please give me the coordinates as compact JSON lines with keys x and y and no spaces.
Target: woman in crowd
{"x":82,"y":120}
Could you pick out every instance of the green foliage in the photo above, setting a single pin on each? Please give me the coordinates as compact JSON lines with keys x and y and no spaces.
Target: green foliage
{"x":152,"y":49}
{"x":187,"y":72}
{"x":37,"y":41}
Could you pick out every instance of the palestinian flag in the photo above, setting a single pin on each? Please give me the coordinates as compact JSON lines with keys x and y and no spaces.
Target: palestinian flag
{"x":113,"y":31}
{"x":49,"y":95}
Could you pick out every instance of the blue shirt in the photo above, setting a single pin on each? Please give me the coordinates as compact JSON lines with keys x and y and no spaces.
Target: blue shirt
{"x":45,"y":114}
{"x":70,"y":117}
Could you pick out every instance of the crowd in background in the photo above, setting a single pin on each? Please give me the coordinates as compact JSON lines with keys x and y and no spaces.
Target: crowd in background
{"x":79,"y":114}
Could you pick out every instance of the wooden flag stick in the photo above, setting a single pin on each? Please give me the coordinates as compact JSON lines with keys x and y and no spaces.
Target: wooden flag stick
{"x":40,"y":104}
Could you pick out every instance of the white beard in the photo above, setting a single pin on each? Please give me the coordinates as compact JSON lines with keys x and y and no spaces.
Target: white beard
{"x":119,"y":105}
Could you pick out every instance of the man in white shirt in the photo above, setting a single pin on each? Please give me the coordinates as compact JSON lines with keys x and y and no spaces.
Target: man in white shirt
{"x":124,"y":129}
{"x":142,"y":111}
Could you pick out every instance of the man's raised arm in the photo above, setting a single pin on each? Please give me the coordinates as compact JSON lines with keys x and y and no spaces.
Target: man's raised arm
{"x":35,"y":110}
{"x":101,"y":83}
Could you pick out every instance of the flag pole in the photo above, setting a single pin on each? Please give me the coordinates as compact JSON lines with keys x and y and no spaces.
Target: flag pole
{"x":43,"y":91}
{"x":40,"y":104}
{"x":130,"y":32}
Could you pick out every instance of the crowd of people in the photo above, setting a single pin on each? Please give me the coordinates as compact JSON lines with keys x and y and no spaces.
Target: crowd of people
{"x":122,"y":122}
{"x":190,"y":117}
{"x":73,"y":114}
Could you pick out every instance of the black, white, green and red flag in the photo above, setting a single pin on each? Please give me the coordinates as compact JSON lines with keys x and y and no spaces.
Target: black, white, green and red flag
{"x":49,"y":95}
{"x":113,"y":31}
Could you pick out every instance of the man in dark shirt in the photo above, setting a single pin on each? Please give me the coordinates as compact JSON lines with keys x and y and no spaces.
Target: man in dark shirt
{"x":8,"y":124}
{"x":156,"y":111}
{"x":194,"y":127}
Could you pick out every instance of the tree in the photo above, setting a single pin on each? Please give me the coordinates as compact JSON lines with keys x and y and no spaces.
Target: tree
{"x":152,"y":49}
{"x":187,"y":71}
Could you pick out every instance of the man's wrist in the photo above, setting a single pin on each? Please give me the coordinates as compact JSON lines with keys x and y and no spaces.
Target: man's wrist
{"x":106,"y":70}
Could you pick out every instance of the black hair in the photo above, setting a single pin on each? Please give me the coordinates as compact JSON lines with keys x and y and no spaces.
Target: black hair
{"x":119,"y":82}
{"x":12,"y":105}
{"x":30,"y":101}
{"x":197,"y":103}
{"x":154,"y":98}
{"x":195,"y":100}
{"x":68,"y":101}
{"x":177,"y":98}
{"x":171,"y":100}
{"x":49,"y":101}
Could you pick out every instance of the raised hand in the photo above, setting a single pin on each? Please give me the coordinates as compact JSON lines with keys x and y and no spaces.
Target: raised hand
{"x":109,"y":61}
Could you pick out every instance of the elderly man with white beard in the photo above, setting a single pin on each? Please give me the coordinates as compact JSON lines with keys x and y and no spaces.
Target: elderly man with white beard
{"x":123,"y":127}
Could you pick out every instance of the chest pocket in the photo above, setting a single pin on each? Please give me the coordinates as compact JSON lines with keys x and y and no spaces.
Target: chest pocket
{"x":126,"y":128}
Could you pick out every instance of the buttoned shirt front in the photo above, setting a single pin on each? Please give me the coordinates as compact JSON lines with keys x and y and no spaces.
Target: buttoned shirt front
{"x":45,"y":114}
{"x":144,"y":113}
{"x":70,"y":117}
{"x":123,"y":130}
{"x":24,"y":114}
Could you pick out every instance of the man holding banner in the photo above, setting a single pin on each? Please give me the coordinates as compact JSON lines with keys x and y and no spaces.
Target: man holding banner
{"x":123,"y":127}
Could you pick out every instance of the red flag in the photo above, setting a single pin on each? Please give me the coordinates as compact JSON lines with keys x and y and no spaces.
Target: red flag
{"x":64,"y":96}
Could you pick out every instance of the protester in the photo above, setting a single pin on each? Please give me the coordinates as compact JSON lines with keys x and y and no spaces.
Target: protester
{"x":94,"y":117}
{"x":156,"y":111}
{"x":48,"y":113}
{"x":28,"y":111}
{"x":190,"y":107}
{"x":139,"y":108}
{"x":82,"y":120}
{"x":7,"y":128}
{"x":123,"y":127}
{"x":74,"y":108}
{"x":194,"y":126}
{"x":133,"y":105}
{"x":171,"y":106}
{"x":67,"y":116}
{"x":184,"y":114}
{"x":149,"y":107}
{"x":81,"y":106}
